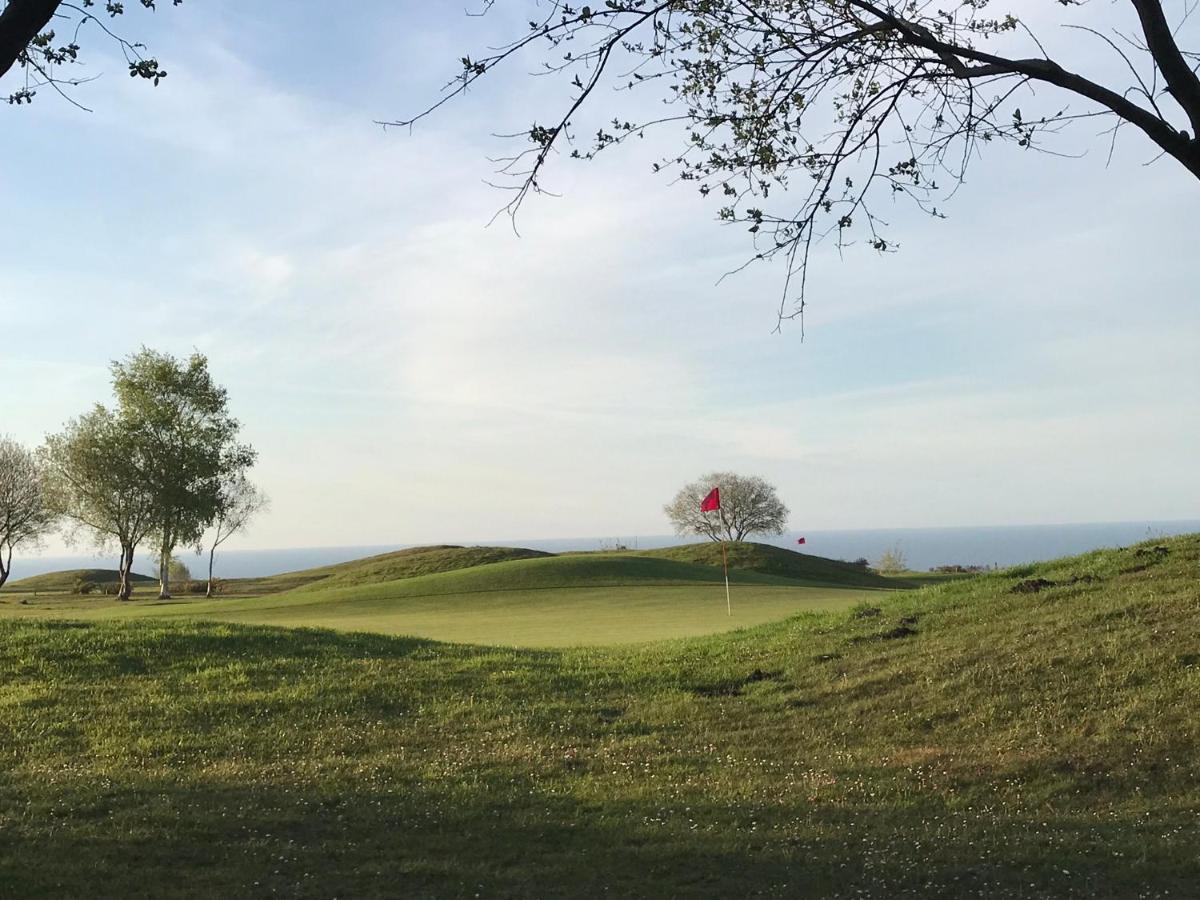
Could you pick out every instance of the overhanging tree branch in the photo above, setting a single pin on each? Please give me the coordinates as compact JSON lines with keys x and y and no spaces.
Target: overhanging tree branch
{"x":831,"y":104}
{"x":20,"y":22}
{"x":1181,"y":80}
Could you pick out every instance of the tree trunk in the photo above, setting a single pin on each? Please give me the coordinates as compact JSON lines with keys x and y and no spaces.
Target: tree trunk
{"x":125,"y":587}
{"x":164,"y":574}
{"x":211,"y":553}
{"x":20,"y":23}
{"x":5,"y":565}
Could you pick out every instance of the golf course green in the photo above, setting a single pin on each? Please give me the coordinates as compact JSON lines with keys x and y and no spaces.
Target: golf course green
{"x":1023,"y":733}
{"x":503,"y":596}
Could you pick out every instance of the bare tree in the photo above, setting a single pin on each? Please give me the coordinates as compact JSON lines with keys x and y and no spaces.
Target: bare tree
{"x":240,"y":501}
{"x":831,"y":106}
{"x":749,"y":505}
{"x":24,"y":513}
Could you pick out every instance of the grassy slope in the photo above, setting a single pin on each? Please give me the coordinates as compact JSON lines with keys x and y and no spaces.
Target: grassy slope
{"x":65,"y":580}
{"x":408,"y":563}
{"x":769,"y":560}
{"x":1002,"y":744}
{"x":553,"y":601}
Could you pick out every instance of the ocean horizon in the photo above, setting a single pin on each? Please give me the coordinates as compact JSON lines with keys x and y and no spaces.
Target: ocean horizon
{"x":922,"y":548}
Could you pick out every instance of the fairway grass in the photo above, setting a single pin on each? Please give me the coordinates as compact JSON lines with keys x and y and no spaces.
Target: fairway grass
{"x":512,"y":597}
{"x":544,"y":618}
{"x":1026,"y":734}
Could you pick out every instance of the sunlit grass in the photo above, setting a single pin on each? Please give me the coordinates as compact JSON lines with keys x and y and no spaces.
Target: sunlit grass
{"x":962,"y":740}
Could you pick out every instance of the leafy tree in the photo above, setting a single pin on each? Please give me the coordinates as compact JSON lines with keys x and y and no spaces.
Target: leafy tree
{"x":892,"y":562}
{"x":179,"y":571}
{"x":239,"y":501}
{"x":94,"y":480}
{"x":801,"y":116}
{"x":178,"y":420}
{"x":30,"y":41}
{"x":749,"y":505}
{"x":24,"y":513}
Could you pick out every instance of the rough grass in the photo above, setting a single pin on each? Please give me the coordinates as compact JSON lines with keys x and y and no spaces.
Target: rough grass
{"x":58,"y":582}
{"x":408,"y":563}
{"x":977,"y":738}
{"x":769,"y":560}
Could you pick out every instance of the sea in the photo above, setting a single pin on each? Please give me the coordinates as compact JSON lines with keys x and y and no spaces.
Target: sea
{"x":921,"y":548}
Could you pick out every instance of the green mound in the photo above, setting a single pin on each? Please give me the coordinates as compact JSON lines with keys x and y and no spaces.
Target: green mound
{"x":408,"y":563}
{"x":65,"y":580}
{"x":776,"y":561}
{"x":546,"y":571}
{"x":1029,"y":733}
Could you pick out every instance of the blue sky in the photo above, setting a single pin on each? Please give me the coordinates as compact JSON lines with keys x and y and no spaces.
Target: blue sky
{"x":409,"y":374}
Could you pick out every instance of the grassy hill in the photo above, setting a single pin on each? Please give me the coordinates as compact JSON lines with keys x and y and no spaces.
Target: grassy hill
{"x":769,"y":560}
{"x":407,"y":563}
{"x":65,"y":580}
{"x":1029,"y":733}
{"x":520,"y":597}
{"x":541,"y":601}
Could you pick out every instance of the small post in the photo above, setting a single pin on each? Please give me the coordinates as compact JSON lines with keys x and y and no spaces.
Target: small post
{"x":725,"y":566}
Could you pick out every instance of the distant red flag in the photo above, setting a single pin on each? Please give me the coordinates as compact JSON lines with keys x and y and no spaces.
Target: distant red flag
{"x":712,"y":501}
{"x":802,"y":541}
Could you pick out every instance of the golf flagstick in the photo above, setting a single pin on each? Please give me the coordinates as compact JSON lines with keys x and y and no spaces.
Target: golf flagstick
{"x":712,"y":503}
{"x":725,"y":566}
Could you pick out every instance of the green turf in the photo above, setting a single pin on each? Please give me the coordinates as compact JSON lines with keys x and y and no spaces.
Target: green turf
{"x":57,"y":582}
{"x":541,"y":600}
{"x":769,"y":560}
{"x":408,"y":563}
{"x":967,"y":739}
{"x":541,"y":618}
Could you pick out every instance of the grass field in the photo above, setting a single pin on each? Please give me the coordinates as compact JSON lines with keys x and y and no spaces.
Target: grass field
{"x":512,"y":597}
{"x":1030,"y":733}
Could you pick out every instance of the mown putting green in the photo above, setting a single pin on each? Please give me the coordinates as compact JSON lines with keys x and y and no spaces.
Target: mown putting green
{"x":516,"y":597}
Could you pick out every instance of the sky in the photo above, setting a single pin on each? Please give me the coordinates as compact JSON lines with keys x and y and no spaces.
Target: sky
{"x":409,"y":373}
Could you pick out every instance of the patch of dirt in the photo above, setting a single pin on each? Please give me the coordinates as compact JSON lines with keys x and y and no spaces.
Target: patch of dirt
{"x":1033,"y":585}
{"x":609,"y":714}
{"x":826,"y":657}
{"x":1159,"y":551}
{"x":720,"y":689}
{"x":903,"y":630}
{"x":869,"y":612}
{"x":734,"y":688}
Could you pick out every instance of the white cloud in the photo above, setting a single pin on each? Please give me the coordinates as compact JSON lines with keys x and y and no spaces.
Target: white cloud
{"x":409,"y":374}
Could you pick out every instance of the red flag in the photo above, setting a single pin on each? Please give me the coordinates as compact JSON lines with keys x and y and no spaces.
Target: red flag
{"x":712,"y":501}
{"x":802,"y":541}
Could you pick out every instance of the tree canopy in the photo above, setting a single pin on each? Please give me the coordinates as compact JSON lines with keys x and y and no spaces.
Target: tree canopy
{"x":156,"y":467}
{"x":749,"y":505}
{"x":95,"y":482}
{"x":806,"y":119}
{"x":238,"y":501}
{"x":24,"y":513}
{"x":805,"y":116}
{"x":177,"y":419}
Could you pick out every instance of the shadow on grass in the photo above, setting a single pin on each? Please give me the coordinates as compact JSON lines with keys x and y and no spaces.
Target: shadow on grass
{"x":502,"y":836}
